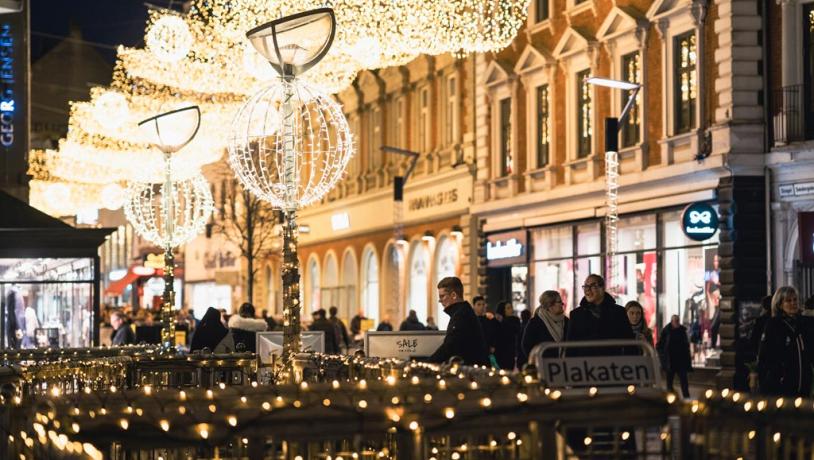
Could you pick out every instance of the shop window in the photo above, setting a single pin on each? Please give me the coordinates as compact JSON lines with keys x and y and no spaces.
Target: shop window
{"x":505,"y":137}
{"x":584,"y":114}
{"x":553,"y":242}
{"x":370,"y":287}
{"x":47,"y":302}
{"x":446,"y":265}
{"x":419,"y":280}
{"x":400,"y":132}
{"x":636,"y":233}
{"x":543,"y":127}
{"x":686,"y":83}
{"x":313,"y":286}
{"x":393,"y":273}
{"x":588,"y":239}
{"x":631,"y":70}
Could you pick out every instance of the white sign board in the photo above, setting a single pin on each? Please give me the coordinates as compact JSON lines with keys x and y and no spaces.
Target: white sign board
{"x":598,"y":371}
{"x":798,"y":189}
{"x":403,"y":345}
{"x":271,"y":343}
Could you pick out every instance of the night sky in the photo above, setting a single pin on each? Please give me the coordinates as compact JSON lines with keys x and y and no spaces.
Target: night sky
{"x":107,"y":23}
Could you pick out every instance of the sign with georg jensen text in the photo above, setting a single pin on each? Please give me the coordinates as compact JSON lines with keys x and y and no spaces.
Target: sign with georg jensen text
{"x":699,"y":221}
{"x":598,"y":371}
{"x":402,"y":345}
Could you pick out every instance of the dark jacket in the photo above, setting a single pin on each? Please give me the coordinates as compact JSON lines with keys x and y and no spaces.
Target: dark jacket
{"x":784,"y":359}
{"x":412,"y":324}
{"x":384,"y":326}
{"x":123,"y":335}
{"x":464,"y":337}
{"x":506,"y":343}
{"x":536,"y":333}
{"x":325,"y":325}
{"x":612,"y":323}
{"x":674,"y":349}
{"x":209,"y":332}
{"x":356,"y":325}
{"x":490,"y":329}
{"x":757,"y":333}
{"x":341,"y":330}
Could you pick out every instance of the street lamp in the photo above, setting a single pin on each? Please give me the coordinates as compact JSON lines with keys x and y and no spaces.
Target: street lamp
{"x":290,"y":143}
{"x":612,"y":125}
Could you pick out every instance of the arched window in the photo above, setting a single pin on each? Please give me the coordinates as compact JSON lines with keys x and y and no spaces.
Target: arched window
{"x":330,"y":282}
{"x":419,"y":280}
{"x":370,"y":286}
{"x":312,"y":287}
{"x":348,"y":303}
{"x":391,"y":283}
{"x":446,"y":264}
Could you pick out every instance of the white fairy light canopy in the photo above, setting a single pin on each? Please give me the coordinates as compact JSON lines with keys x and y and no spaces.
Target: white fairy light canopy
{"x":321,"y":139}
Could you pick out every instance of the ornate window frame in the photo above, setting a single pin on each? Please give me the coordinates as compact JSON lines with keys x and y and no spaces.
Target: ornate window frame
{"x":501,"y":84}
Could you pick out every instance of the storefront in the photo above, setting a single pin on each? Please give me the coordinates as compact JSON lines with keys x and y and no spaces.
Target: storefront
{"x":49,"y":279}
{"x":657,"y":264}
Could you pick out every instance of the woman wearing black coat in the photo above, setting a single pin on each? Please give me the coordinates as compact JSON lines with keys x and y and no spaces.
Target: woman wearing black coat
{"x":674,"y":354}
{"x":784,"y":357}
{"x":209,"y":333}
{"x":507,"y":334}
{"x":548,"y":324}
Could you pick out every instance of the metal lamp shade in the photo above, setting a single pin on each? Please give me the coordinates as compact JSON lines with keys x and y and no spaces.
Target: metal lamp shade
{"x":295,"y":43}
{"x":171,"y":131}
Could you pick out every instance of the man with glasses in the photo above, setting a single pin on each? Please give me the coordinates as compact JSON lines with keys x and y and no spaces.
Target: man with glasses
{"x":598,"y":317}
{"x":464,"y":336}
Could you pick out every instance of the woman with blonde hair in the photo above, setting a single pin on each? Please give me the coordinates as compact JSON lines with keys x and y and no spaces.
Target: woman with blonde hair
{"x":548,"y":324}
{"x":784,"y":356}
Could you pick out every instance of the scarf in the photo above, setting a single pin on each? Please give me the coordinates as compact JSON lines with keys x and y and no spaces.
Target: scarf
{"x":638,"y":329}
{"x":554,"y":323}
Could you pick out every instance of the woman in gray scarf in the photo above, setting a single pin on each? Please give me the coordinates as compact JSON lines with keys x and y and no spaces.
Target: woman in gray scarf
{"x":635,"y":314}
{"x":548,"y":324}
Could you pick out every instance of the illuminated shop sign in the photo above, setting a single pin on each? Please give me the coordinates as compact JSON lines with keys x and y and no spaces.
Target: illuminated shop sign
{"x":7,"y":95}
{"x":504,"y":249}
{"x":699,"y":221}
{"x":340,"y":221}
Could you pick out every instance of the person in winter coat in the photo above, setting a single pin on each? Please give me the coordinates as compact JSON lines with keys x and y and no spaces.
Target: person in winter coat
{"x":507,"y":336}
{"x":356,"y":325}
{"x":635,"y":314}
{"x":122,"y":332}
{"x":341,"y":331}
{"x":598,"y":317}
{"x":209,"y":333}
{"x":674,"y":354}
{"x":321,"y":323}
{"x":548,"y":324}
{"x":464,"y":336}
{"x":245,"y":320}
{"x":412,"y":323}
{"x":784,"y":358}
{"x":431,"y":326}
{"x":385,"y":325}
{"x":759,"y":326}
{"x":488,"y":323}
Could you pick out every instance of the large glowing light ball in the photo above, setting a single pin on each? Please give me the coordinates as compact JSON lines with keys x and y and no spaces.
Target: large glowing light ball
{"x":169,"y":38}
{"x":113,"y":196}
{"x":110,"y":110}
{"x":146,"y":210}
{"x":317,"y":132}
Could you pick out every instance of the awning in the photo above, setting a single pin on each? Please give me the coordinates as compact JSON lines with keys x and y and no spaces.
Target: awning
{"x":117,"y":287}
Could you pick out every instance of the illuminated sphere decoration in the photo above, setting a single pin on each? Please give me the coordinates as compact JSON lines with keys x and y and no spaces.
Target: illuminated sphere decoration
{"x":321,"y":139}
{"x":192,"y":203}
{"x":113,"y":196}
{"x":110,"y":110}
{"x":169,"y":38}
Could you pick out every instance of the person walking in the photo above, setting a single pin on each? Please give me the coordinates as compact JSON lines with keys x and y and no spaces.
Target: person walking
{"x":635,"y":314}
{"x":431,"y":326}
{"x":488,"y":323}
{"x":411,"y":323}
{"x":464,"y":336}
{"x":122,"y":332}
{"x":342,"y":338}
{"x":674,"y":354}
{"x":784,"y":357}
{"x":356,"y":325}
{"x":598,"y":317}
{"x":210,"y":332}
{"x":245,"y":320}
{"x":507,"y":336}
{"x":321,"y":323}
{"x":548,"y":324}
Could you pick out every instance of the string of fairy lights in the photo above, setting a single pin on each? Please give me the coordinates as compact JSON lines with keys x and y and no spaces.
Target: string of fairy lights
{"x":202,"y":57}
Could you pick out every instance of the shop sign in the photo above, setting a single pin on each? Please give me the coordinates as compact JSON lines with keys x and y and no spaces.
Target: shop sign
{"x":798,"y":189}
{"x":340,"y":221}
{"x":504,"y":249}
{"x":699,"y":221}
{"x":403,"y":345}
{"x":433,"y":200}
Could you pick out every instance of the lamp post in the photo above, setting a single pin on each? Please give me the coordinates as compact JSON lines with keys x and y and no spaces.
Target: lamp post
{"x":612,"y":125}
{"x":170,"y":132}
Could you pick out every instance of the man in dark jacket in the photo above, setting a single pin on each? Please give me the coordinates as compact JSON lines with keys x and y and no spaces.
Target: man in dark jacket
{"x":321,"y":323}
{"x":488,"y":323}
{"x":341,"y":330}
{"x":412,"y":323}
{"x":674,"y":354}
{"x":598,"y":317}
{"x":464,"y":335}
{"x":122,"y":332}
{"x":356,"y":324}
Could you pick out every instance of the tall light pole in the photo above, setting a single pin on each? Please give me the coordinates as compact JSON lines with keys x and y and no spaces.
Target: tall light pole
{"x":612,"y":125}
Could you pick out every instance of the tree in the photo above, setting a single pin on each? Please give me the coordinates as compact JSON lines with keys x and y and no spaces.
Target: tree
{"x":246,"y":221}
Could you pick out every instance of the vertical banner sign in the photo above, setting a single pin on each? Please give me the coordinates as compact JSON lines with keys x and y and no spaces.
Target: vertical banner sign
{"x":14,"y":88}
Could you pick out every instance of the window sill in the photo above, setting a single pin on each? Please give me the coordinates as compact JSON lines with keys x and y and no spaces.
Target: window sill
{"x":680,"y":148}
{"x":541,"y":179}
{"x":538,"y":27}
{"x":633,"y":159}
{"x":583,"y":170}
{"x":503,"y":187}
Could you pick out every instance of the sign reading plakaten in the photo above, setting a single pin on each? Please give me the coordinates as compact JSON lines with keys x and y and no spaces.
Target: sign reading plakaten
{"x":403,"y":345}
{"x":598,"y":371}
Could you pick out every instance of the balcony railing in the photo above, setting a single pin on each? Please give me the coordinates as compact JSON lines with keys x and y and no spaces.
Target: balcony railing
{"x":789,"y":115}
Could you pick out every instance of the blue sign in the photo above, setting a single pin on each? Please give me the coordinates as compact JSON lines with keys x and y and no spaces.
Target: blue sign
{"x":699,"y":221}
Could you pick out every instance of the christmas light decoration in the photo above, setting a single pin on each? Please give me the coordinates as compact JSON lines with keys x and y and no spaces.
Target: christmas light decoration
{"x":169,"y":38}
